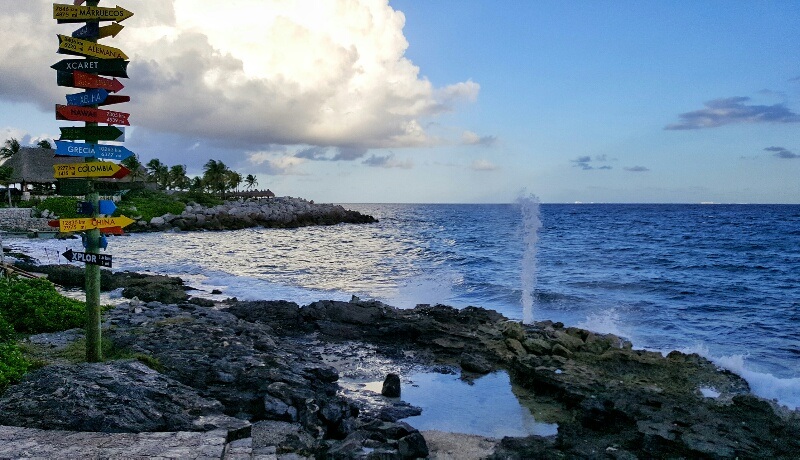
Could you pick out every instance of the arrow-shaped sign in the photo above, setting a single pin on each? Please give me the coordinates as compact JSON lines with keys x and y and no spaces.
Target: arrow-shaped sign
{"x":91,"y":97}
{"x":100,"y":133}
{"x":100,"y":151}
{"x":108,"y":67}
{"x":76,"y":46}
{"x":104,"y":260}
{"x":107,"y":207}
{"x":87,"y":80}
{"x":88,"y":114}
{"x":112,"y":231}
{"x":90,"y":31}
{"x":110,"y":30}
{"x":84,"y":208}
{"x":81,"y":224}
{"x":90,"y":169}
{"x":103,"y":241}
{"x":74,"y":13}
{"x":114,"y":99}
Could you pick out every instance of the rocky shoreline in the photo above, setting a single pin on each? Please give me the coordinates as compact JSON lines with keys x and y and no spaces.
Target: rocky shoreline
{"x":281,"y":212}
{"x":250,"y":368}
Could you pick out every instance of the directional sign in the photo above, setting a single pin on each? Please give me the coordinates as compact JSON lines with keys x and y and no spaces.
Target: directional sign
{"x":114,"y":99}
{"x":91,"y":97}
{"x":78,"y":47}
{"x":107,"y":207}
{"x":104,"y":260}
{"x":90,"y":31}
{"x":100,"y":151}
{"x":88,"y":114}
{"x":90,"y":169}
{"x":73,"y":13}
{"x":87,"y":80}
{"x":110,"y":31}
{"x":101,"y":133}
{"x":108,"y":67}
{"x":112,"y":231}
{"x":84,"y":208}
{"x":88,"y":223}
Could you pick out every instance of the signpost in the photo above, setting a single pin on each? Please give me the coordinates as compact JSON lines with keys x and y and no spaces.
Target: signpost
{"x":83,"y":73}
{"x":73,"y":13}
{"x":90,"y":169}
{"x":87,"y":98}
{"x":80,"y":224}
{"x":107,"y":67}
{"x":103,"y":260}
{"x":100,"y":133}
{"x":102,"y":151}
{"x":78,"y":47}
{"x":77,"y":113}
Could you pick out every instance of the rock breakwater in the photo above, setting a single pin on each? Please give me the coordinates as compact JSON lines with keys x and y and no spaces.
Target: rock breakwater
{"x":282,"y":212}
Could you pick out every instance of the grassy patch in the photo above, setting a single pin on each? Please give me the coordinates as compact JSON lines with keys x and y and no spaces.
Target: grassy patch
{"x":146,"y":204}
{"x":62,"y":206}
{"x":34,"y":305}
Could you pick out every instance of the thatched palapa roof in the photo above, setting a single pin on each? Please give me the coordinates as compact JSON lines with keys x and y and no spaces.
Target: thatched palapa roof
{"x":33,"y":165}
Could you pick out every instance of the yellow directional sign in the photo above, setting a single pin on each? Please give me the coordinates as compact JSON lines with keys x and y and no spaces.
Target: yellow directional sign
{"x":74,"y":13}
{"x":70,"y":45}
{"x":89,"y":223}
{"x":110,"y":31}
{"x":89,"y":169}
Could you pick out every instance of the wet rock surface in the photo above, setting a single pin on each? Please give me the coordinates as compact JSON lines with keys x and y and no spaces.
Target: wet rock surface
{"x":290,"y":371}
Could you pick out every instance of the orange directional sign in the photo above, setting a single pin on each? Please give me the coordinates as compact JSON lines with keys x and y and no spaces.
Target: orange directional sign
{"x":87,"y":80}
{"x":74,"y":13}
{"x":90,"y":169}
{"x":78,"y":47}
{"x":88,"y":114}
{"x":88,"y":223}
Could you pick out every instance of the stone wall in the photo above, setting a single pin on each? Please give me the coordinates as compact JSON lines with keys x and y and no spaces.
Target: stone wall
{"x":19,"y":219}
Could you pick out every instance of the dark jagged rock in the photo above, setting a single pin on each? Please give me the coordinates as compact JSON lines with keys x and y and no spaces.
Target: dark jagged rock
{"x":121,"y":396}
{"x":391,"y":386}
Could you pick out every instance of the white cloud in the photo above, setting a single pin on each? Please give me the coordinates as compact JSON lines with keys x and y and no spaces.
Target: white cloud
{"x":388,"y":161}
{"x":275,"y":163}
{"x":249,"y":73}
{"x":471,"y":138}
{"x":483,"y":165}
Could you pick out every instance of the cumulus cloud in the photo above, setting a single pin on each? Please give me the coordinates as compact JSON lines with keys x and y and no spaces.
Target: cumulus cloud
{"x":781,"y":152}
{"x":719,"y":112}
{"x":585,"y":162}
{"x":637,"y":169}
{"x":274,"y":163}
{"x":483,"y":165}
{"x":244,"y":74}
{"x":387,"y":161}
{"x":471,"y":138}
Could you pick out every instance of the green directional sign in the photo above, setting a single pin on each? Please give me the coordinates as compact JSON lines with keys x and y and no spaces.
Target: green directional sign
{"x":108,"y":67}
{"x":100,"y":133}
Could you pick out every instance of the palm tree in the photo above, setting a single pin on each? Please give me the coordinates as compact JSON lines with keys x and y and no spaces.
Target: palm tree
{"x":133,"y":163}
{"x":215,"y":176}
{"x":159,"y":172}
{"x":177,"y":177}
{"x":234,"y":180}
{"x":10,"y":149}
{"x":250,"y":181}
{"x":44,"y":144}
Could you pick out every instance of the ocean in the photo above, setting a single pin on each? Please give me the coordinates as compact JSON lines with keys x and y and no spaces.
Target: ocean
{"x":719,"y":280}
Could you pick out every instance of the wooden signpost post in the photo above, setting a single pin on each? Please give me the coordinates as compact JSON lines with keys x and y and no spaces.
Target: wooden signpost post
{"x":83,"y":73}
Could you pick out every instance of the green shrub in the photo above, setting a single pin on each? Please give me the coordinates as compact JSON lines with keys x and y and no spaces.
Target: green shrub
{"x":12,"y":364}
{"x":62,"y":206}
{"x":146,"y":204}
{"x":34,"y":305}
{"x":6,"y":331}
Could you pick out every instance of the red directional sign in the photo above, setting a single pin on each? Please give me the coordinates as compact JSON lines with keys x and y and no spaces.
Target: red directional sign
{"x":115,"y":100}
{"x":88,"y":114}
{"x":87,"y":80}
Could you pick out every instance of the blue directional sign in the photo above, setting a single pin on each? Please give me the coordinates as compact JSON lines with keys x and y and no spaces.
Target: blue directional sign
{"x":103,"y":242}
{"x":102,"y":151}
{"x":89,"y":31}
{"x":84,"y":207}
{"x":91,"y":97}
{"x":107,"y":207}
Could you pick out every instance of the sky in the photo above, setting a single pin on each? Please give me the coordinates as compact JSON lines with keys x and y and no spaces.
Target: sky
{"x":442,"y":101}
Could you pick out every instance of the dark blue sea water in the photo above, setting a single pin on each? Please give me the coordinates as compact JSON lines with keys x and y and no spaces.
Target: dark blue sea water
{"x":721,"y":280}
